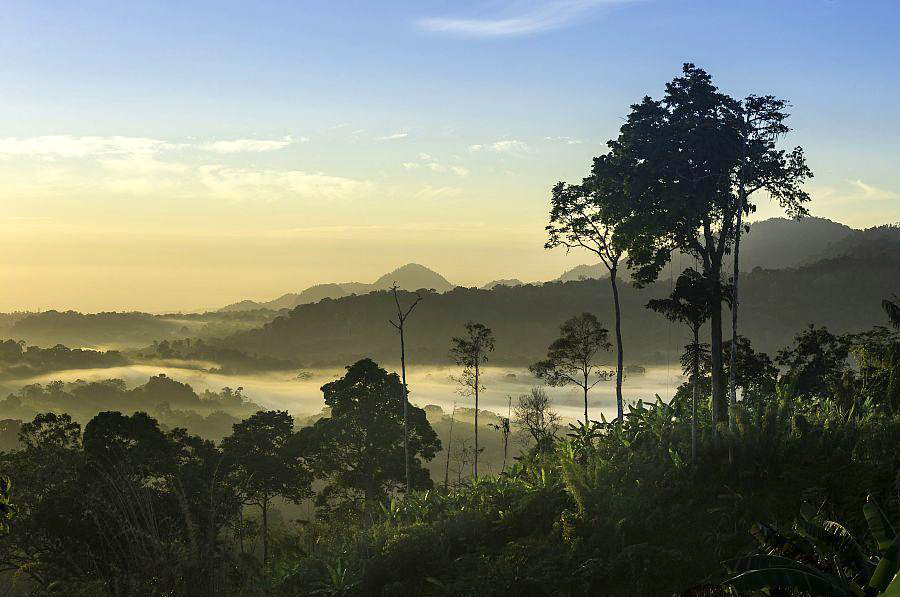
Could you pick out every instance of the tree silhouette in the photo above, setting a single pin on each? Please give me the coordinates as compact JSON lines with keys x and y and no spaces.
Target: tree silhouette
{"x":470,"y":351}
{"x":266,"y":463}
{"x":359,"y":449}
{"x":689,"y":304}
{"x":588,"y":216}
{"x":762,"y":167}
{"x":571,"y":358}
{"x":400,"y":326}
{"x":536,"y":419}
{"x":693,"y":161}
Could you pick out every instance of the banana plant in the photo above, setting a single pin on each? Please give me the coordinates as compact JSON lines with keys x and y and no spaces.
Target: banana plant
{"x":820,"y":557}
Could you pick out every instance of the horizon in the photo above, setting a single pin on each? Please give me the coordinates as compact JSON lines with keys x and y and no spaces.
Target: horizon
{"x":172,"y":164}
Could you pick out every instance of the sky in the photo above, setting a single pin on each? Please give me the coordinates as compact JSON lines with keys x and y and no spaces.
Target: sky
{"x":166,"y":156}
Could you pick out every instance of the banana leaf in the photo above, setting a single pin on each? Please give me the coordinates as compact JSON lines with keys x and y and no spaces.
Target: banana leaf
{"x":788,"y":578}
{"x":893,"y":589}
{"x":879,"y":525}
{"x":886,"y":570}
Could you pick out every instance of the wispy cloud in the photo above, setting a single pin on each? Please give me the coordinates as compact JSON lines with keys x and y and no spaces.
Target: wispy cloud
{"x":68,"y":146}
{"x":566,"y":140}
{"x":240,"y":184}
{"x":251,"y":145}
{"x":504,"y":146}
{"x":398,"y":135}
{"x":534,"y":18}
{"x":429,"y":163}
{"x":872,"y":192}
{"x":430,"y":193}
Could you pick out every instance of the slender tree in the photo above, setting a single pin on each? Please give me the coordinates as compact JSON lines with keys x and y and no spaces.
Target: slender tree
{"x":449,"y":447}
{"x":587,"y":216}
{"x":689,"y":303}
{"x":762,"y":167}
{"x":400,"y":326}
{"x":571,"y":358}
{"x":471,"y":351}
{"x":504,"y":428}
{"x":688,"y":157}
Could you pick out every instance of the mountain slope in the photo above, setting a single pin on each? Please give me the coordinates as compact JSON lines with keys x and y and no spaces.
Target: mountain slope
{"x":844,"y":294}
{"x":773,"y":244}
{"x":503,"y":282}
{"x":411,"y":276}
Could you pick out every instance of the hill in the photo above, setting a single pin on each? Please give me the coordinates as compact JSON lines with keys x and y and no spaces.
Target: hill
{"x":843,"y":293}
{"x":503,"y":282}
{"x":411,"y":276}
{"x":773,"y":244}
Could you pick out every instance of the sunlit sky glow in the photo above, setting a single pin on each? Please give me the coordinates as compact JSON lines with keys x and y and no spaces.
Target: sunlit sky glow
{"x":184,"y":155}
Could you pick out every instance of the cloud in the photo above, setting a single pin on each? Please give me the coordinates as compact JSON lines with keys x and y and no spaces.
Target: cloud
{"x":435,"y":166}
{"x":68,"y":146}
{"x":566,"y":140}
{"x":872,"y":192}
{"x":400,"y":135}
{"x":506,"y":146}
{"x":541,"y":16}
{"x":251,"y":145}
{"x":240,"y":184}
{"x":430,"y":193}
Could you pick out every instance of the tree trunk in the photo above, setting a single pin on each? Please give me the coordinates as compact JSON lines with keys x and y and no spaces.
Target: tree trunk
{"x":265,"y":515}
{"x":719,"y":402}
{"x":449,"y":449}
{"x":241,"y":527}
{"x":476,"y":415}
{"x":405,"y":407}
{"x":732,"y":367}
{"x":620,"y":408}
{"x":695,"y":374}
{"x":586,"y":423}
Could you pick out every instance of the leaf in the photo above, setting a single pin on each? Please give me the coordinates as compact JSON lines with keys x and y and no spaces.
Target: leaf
{"x":893,"y":589}
{"x":788,"y":578}
{"x":887,"y":568}
{"x":760,"y":561}
{"x":881,"y":528}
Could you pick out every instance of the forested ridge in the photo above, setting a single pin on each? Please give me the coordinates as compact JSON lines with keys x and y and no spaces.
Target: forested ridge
{"x":843,"y":293}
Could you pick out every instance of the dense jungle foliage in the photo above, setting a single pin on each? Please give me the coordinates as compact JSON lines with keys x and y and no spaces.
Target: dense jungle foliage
{"x":123,"y":507}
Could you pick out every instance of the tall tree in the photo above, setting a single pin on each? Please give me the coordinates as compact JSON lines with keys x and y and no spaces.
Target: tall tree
{"x":762,"y":167}
{"x":470,"y":352}
{"x":691,"y":170}
{"x":571,"y":358}
{"x":587,"y":216}
{"x":689,"y":304}
{"x":266,"y":463}
{"x":400,"y":326}
{"x":359,"y":449}
{"x":449,"y":447}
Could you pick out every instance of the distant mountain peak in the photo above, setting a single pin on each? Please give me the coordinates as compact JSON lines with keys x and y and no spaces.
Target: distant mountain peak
{"x":413,"y":276}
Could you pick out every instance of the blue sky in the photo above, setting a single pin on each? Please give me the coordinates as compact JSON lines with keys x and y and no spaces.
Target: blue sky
{"x":301,"y":135}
